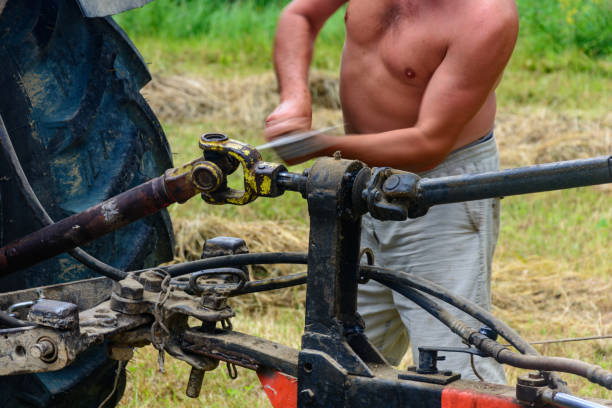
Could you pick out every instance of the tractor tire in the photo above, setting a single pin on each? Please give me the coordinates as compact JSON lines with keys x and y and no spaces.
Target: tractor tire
{"x":70,"y":99}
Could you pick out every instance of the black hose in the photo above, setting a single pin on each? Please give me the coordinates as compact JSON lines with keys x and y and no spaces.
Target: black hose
{"x":10,"y":321}
{"x":277,"y":282}
{"x":233,"y":260}
{"x":464,"y":305}
{"x":493,"y":349}
{"x":41,"y":214}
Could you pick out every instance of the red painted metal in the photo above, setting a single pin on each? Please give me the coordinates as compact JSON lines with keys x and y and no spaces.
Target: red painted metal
{"x":469,"y":398}
{"x":281,"y":389}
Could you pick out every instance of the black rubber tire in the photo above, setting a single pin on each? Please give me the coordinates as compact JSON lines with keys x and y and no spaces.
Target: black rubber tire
{"x":70,"y":99}
{"x":69,"y":96}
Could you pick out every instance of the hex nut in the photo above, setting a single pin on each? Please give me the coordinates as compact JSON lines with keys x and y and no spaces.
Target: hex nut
{"x":129,"y":288}
{"x":151,"y":281}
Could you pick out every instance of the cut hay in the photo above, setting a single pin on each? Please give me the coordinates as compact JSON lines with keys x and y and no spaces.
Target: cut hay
{"x":243,"y":100}
{"x":526,"y":135}
{"x":260,"y":236}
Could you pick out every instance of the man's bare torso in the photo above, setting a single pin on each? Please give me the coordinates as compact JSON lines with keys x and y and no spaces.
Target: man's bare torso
{"x":392,"y":49}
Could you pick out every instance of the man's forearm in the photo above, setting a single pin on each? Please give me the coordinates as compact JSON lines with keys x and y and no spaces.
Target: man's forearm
{"x":292,"y":54}
{"x":406,"y":149}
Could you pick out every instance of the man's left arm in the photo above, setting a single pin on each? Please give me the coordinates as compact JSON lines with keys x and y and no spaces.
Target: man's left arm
{"x":473,"y":65}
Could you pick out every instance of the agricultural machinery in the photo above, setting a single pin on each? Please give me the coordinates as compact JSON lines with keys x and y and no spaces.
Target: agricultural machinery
{"x":82,"y":156}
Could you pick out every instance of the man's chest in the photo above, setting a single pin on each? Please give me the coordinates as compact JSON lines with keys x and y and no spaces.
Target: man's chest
{"x":410,"y":39}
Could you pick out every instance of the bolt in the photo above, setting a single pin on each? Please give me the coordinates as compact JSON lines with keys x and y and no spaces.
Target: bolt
{"x":207,"y":176}
{"x":377,"y":195}
{"x":532,"y":380}
{"x":392,"y":183}
{"x":261,"y":166}
{"x":194,"y":384}
{"x":44,"y":350}
{"x":534,"y":375}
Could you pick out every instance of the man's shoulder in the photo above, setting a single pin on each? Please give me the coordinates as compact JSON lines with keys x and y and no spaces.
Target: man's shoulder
{"x":486,"y":23}
{"x":489,"y":16}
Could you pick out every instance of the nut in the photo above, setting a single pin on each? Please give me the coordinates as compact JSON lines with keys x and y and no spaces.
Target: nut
{"x":129,"y":288}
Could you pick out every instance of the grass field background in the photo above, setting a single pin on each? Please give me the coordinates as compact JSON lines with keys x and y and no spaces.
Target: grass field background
{"x":211,"y":64}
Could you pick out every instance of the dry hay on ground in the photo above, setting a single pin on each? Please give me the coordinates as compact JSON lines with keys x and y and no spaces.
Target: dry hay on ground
{"x":526,"y":135}
{"x":535,"y":135}
{"x":243,"y":100}
{"x":260,"y":236}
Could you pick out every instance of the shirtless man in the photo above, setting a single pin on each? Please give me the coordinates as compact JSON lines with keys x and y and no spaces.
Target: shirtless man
{"x":417,"y":88}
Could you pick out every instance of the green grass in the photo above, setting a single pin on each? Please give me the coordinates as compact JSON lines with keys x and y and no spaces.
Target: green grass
{"x":562,"y":58}
{"x":569,"y":225}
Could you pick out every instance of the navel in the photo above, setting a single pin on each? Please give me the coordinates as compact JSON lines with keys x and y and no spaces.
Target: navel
{"x":410,"y":74}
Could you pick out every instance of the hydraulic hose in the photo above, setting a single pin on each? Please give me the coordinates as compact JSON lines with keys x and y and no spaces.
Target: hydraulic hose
{"x":234,"y":260}
{"x":277,"y":282}
{"x":41,"y":214}
{"x":465,"y":306}
{"x":493,"y":349}
{"x":10,"y":321}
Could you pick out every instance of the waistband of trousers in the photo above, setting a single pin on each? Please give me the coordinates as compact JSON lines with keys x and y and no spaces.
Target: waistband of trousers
{"x":481,"y":149}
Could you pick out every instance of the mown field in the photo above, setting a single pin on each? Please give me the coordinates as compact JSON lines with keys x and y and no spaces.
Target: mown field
{"x":211,"y":63}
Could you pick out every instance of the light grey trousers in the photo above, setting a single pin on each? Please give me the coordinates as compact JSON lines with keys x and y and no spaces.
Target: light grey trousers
{"x":452,"y":245}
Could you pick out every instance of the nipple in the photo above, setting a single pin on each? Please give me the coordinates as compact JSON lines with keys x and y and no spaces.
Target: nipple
{"x":410,"y":74}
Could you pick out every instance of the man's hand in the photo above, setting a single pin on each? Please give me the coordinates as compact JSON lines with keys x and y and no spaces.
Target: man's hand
{"x":290,"y":116}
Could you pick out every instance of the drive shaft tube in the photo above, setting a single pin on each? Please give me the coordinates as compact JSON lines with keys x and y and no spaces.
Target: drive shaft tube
{"x":176,"y":185}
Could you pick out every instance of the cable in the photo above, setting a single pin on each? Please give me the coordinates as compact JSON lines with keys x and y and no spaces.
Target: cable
{"x":552,"y":341}
{"x":466,"y":306}
{"x":278,"y":282}
{"x":10,"y":321}
{"x":500,"y":353}
{"x":232,"y":260}
{"x":41,"y":214}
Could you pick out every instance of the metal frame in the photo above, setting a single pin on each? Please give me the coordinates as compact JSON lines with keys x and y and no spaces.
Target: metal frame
{"x":337,"y":365}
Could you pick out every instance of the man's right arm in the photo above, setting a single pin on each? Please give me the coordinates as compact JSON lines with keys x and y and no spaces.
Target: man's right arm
{"x":298,"y":26}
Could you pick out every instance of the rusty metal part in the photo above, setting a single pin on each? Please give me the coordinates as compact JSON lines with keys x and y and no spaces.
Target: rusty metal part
{"x":119,"y":352}
{"x":176,"y":185}
{"x":207,"y":176}
{"x":241,"y":349}
{"x":259,"y":177}
{"x":55,"y":314}
{"x":194,"y":384}
{"x":84,"y":293}
{"x":41,"y":214}
{"x":45,"y":349}
{"x":239,"y":277}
